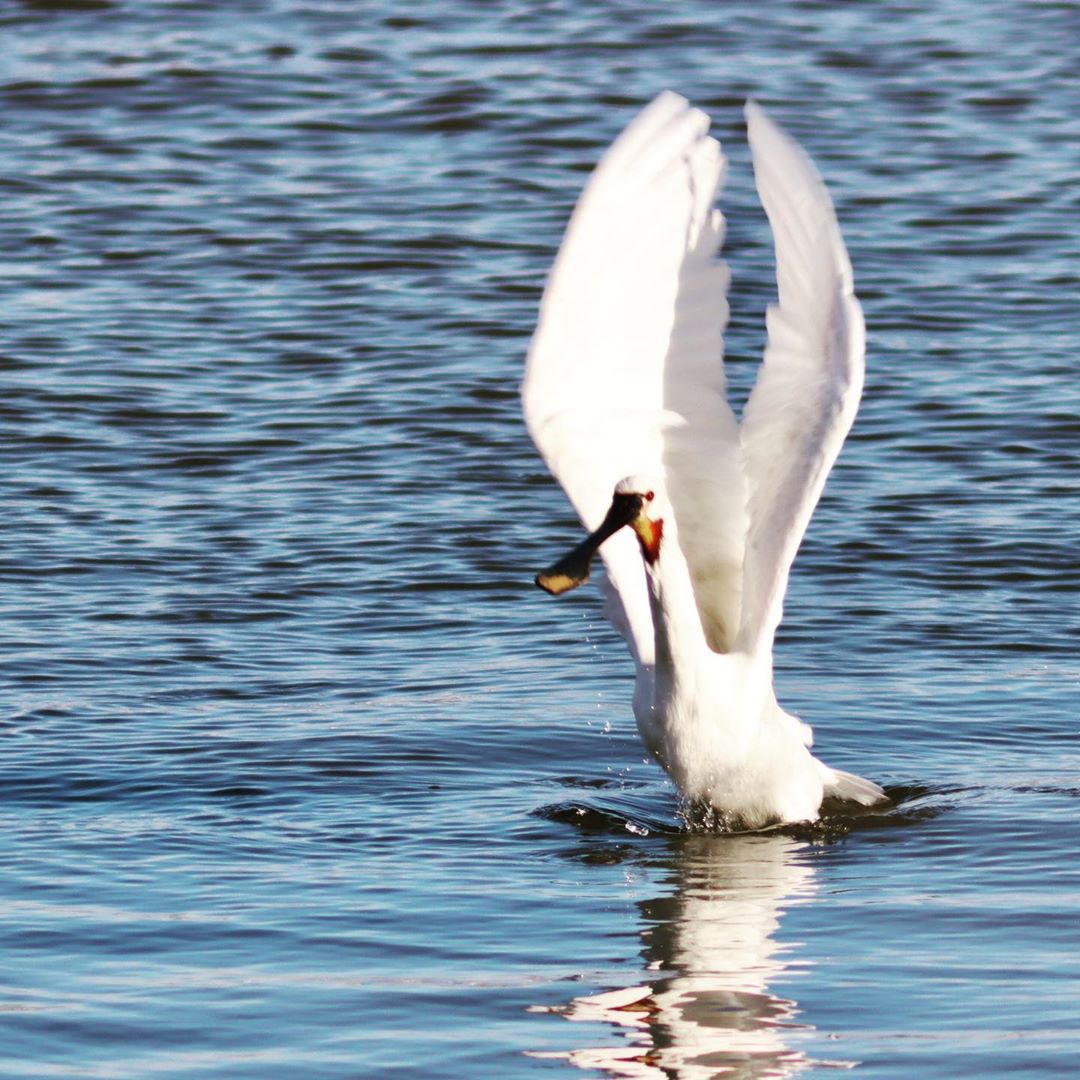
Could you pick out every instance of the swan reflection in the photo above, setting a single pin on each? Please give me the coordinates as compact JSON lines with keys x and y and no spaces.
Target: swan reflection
{"x":710,"y":1012}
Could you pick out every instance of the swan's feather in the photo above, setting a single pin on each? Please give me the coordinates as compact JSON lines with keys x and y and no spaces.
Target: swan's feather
{"x":625,"y":371}
{"x":808,"y":387}
{"x":625,"y":374}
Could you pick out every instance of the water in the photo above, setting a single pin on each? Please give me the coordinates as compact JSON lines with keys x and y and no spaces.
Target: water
{"x":301,"y":776}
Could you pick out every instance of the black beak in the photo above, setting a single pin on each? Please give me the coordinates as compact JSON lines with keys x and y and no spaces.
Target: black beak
{"x":573,"y":569}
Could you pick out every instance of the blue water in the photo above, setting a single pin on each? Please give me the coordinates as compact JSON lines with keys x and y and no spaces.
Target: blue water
{"x":301,"y":777}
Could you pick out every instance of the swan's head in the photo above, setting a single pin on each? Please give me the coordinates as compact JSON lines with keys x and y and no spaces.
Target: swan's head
{"x":653,"y":510}
{"x":637,"y":502}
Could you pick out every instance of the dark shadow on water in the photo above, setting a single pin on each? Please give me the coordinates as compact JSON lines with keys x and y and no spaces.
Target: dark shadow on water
{"x":67,"y":5}
{"x":621,"y":811}
{"x":908,"y":805}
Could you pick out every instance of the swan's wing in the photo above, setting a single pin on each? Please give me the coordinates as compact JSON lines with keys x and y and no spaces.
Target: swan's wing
{"x":702,"y":455}
{"x":635,"y":283}
{"x":808,"y":387}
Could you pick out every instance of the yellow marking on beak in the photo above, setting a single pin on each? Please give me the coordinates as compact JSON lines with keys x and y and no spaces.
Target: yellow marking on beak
{"x":557,"y":583}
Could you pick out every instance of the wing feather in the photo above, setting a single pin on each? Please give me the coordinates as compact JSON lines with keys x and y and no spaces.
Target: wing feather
{"x":808,"y":387}
{"x":625,"y":371}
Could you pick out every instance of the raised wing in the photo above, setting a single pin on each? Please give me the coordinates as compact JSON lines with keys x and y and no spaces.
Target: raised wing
{"x":808,"y":388}
{"x":628,"y":348}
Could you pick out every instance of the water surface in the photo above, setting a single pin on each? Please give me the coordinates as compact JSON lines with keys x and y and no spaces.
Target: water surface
{"x":301,"y":776}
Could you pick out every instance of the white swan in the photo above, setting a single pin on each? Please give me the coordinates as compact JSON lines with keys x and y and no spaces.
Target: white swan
{"x":624,"y":393}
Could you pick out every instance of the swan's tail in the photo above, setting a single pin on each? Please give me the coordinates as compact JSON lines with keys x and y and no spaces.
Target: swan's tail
{"x":845,"y":785}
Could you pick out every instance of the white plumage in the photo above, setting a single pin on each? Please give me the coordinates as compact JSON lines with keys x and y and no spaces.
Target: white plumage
{"x":625,"y":387}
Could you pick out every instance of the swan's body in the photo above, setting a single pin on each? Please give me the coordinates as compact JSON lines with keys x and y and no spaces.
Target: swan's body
{"x":625,"y":392}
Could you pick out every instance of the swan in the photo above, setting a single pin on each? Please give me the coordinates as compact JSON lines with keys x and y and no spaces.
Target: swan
{"x":696,"y":514}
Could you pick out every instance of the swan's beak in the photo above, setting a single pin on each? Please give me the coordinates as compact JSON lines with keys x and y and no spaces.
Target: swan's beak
{"x":573,"y":569}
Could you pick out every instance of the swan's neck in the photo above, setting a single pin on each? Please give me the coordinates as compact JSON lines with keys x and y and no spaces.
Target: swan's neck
{"x":680,"y":639}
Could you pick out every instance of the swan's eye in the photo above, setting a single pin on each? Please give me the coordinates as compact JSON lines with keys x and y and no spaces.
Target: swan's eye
{"x":650,"y":495}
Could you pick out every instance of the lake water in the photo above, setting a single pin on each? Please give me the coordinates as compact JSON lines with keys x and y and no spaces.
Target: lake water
{"x":301,"y":776}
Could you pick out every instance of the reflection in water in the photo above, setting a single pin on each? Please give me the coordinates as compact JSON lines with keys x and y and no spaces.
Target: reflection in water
{"x":710,"y":1013}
